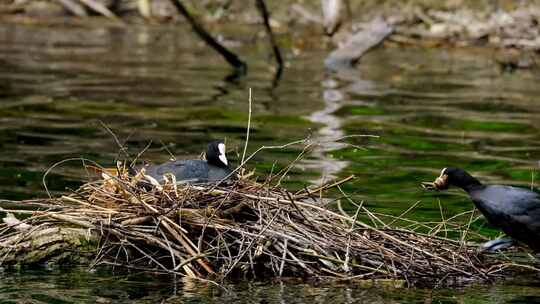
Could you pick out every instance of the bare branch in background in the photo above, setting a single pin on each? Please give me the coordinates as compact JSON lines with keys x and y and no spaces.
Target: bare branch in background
{"x":73,"y":7}
{"x":144,"y":8}
{"x":332,"y":15}
{"x":373,"y":33}
{"x":231,"y":58}
{"x":100,"y":8}
{"x":305,"y":14}
{"x":261,"y":6}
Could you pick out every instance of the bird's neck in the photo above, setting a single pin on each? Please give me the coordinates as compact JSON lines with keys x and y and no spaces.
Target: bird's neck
{"x":473,"y":187}
{"x":469,"y":183}
{"x":465,"y":181}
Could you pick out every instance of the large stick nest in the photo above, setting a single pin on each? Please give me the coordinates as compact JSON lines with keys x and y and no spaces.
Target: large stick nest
{"x":246,"y":228}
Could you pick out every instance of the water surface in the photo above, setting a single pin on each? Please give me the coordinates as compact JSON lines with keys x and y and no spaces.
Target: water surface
{"x":159,"y":87}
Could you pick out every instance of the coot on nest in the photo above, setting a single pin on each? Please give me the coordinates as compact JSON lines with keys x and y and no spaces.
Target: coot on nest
{"x":214,"y":168}
{"x":516,"y":211}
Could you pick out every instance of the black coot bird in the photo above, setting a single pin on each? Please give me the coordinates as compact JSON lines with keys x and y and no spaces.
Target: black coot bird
{"x":516,"y":211}
{"x":214,"y":168}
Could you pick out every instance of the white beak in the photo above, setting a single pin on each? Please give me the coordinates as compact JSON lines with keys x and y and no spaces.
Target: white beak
{"x":222,"y":157}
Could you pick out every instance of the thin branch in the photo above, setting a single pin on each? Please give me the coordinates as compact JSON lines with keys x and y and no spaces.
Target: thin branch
{"x":229,"y":56}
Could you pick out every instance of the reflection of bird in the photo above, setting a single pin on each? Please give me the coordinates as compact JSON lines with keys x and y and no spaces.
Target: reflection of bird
{"x":214,"y":168}
{"x":516,"y":211}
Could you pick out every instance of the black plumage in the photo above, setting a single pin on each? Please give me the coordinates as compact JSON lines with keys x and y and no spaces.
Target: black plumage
{"x":516,"y":211}
{"x":214,"y":168}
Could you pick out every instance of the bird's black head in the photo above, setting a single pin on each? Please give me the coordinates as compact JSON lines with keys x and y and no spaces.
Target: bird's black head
{"x":215,"y":154}
{"x":456,"y":177}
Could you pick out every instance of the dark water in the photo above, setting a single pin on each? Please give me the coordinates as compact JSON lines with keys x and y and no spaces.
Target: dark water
{"x":159,"y":86}
{"x":81,"y":286}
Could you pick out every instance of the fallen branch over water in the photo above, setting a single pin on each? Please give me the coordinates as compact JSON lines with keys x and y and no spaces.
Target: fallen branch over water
{"x":358,"y":44}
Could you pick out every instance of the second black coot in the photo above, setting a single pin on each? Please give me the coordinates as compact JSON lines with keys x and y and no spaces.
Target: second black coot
{"x":214,"y":168}
{"x":516,"y":211}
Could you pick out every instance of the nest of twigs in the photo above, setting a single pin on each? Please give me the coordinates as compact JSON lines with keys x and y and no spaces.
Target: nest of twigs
{"x":243,"y":228}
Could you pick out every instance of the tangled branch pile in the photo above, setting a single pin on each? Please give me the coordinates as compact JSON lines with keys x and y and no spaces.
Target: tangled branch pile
{"x":243,"y":228}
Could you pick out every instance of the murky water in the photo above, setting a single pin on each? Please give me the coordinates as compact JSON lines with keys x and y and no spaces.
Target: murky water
{"x":158,"y":86}
{"x":80,"y":286}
